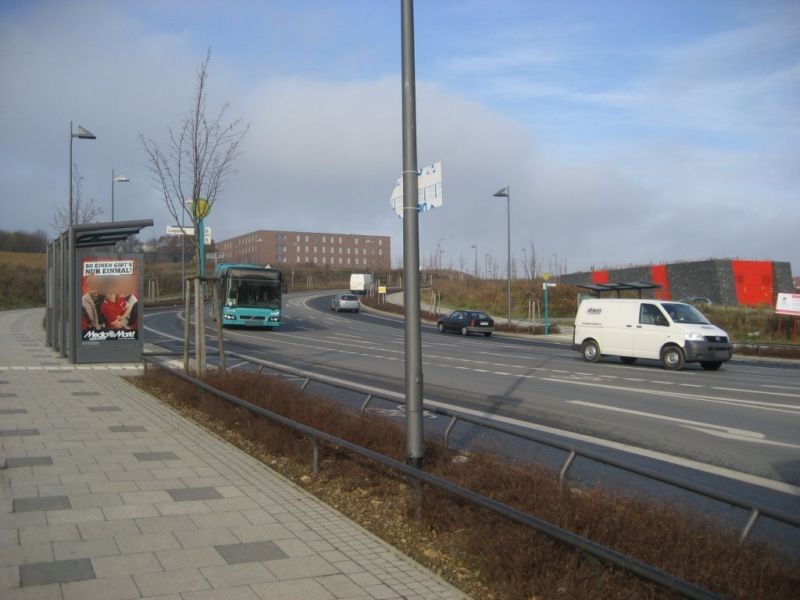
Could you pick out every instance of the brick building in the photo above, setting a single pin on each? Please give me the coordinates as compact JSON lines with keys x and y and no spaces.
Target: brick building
{"x":351,"y":251}
{"x":723,"y":281}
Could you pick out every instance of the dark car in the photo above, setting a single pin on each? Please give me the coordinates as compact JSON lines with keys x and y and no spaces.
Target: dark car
{"x":695,"y":300}
{"x":466,"y":322}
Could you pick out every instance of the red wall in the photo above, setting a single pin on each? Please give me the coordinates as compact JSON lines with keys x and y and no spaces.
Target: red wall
{"x":753,"y":281}
{"x":599,"y":276}
{"x":658,"y":274}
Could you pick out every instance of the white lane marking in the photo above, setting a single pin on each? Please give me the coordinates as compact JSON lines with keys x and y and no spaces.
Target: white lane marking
{"x":694,"y":385}
{"x":727,"y":389}
{"x":782,"y":387}
{"x":731,"y":433}
{"x":771,"y":406}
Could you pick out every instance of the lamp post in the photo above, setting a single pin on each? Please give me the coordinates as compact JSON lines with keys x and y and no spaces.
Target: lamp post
{"x":506,"y":193}
{"x":115,"y":179}
{"x":486,"y":265}
{"x":525,"y":261}
{"x":83,"y":134}
{"x":476,"y":259}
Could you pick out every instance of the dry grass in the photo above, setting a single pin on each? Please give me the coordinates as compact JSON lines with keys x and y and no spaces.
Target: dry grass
{"x":483,"y":554}
{"x":35,"y":260}
{"x":22,"y":279}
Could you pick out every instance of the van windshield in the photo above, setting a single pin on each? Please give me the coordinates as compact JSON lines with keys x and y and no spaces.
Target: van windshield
{"x":684,"y":313}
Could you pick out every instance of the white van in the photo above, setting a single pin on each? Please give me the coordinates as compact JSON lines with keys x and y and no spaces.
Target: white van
{"x":672,"y":332}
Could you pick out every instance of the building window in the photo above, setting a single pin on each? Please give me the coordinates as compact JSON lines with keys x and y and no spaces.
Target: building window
{"x":356,"y":241}
{"x":355,"y":251}
{"x":340,"y":240}
{"x":380,"y":242}
{"x":380,"y":251}
{"x":306,"y":238}
{"x":356,"y":261}
{"x":298,"y":239}
{"x":340,"y":260}
{"x":348,"y":261}
{"x":348,"y":251}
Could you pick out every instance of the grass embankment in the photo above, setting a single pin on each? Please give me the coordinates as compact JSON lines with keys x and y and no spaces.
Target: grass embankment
{"x":491,"y":296}
{"x":485,"y":555}
{"x":22,"y":279}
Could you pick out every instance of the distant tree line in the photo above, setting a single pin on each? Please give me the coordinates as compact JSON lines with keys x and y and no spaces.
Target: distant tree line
{"x":23,"y":241}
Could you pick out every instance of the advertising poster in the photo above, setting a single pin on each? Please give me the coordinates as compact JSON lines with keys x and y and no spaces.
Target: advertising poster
{"x":788,"y":304}
{"x":109,"y":299}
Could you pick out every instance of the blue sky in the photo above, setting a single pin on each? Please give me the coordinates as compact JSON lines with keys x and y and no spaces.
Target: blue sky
{"x":630,"y":132}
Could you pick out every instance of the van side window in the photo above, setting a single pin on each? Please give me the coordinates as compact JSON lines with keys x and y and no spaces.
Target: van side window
{"x":650,"y":315}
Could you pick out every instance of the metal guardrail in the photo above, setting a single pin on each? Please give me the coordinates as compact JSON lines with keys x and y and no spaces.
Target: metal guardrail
{"x":756,"y":509}
{"x":314,"y":436}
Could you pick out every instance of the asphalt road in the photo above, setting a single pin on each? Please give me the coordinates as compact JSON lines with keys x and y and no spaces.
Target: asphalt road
{"x":740,"y":425}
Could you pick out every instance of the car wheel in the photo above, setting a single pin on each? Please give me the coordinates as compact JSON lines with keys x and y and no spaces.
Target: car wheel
{"x":672,"y":357}
{"x":464,"y":331}
{"x":710,"y":365}
{"x":590,"y":351}
{"x":441,"y":327}
{"x":356,"y":311}
{"x":487,"y":333}
{"x":628,"y":360}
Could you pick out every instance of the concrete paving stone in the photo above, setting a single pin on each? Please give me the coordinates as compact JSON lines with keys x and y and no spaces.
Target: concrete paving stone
{"x":9,"y":577}
{"x":333,"y":556}
{"x":173,"y":474}
{"x":267,"y":531}
{"x":130,"y":511}
{"x":148,"y":485}
{"x":321,"y":546}
{"x":189,"y":558}
{"x":232,"y":491}
{"x":95,"y":467}
{"x":150,"y":497}
{"x":382,"y":592}
{"x":20,"y":477}
{"x":60,"y":571}
{"x":74,"y":515}
{"x":233,"y":593}
{"x":85,"y":548}
{"x":206,"y":471}
{"x":340,"y":586}
{"x":66,"y":489}
{"x":164,"y":524}
{"x":12,"y":411}
{"x":168,"y":582}
{"x":19,"y":520}
{"x":52,"y":533}
{"x":127,"y":429}
{"x":127,"y":564}
{"x":250,"y":552}
{"x":94,"y":500}
{"x":8,"y":395}
{"x":307,"y":589}
{"x":9,"y":537}
{"x":37,"y":592}
{"x":116,"y":588}
{"x":71,"y":381}
{"x":148,"y":456}
{"x":295,"y":548}
{"x":241,"y":574}
{"x":306,"y":566}
{"x":191,"y":507}
{"x":205,"y":537}
{"x":135,"y":475}
{"x":116,"y":487}
{"x":154,"y":542}
{"x":41,"y":503}
{"x":13,"y":462}
{"x":224,"y":519}
{"x":214,"y":481}
{"x":100,"y":529}
{"x":86,"y":478}
{"x":77,"y":437}
{"x":364,"y":579}
{"x":258,"y":516}
{"x":18,"y":554}
{"x":197,"y":493}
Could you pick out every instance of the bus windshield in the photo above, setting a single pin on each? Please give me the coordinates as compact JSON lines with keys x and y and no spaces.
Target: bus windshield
{"x":254,"y":293}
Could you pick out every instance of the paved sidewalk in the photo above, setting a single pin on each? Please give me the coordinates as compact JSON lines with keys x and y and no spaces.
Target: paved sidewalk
{"x":106,"y":493}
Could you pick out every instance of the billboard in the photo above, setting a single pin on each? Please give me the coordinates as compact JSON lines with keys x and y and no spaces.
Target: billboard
{"x":788,"y":304}
{"x":109,"y":301}
{"x":429,"y":183}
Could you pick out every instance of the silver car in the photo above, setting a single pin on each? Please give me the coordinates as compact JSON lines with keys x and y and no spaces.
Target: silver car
{"x":345,"y":301}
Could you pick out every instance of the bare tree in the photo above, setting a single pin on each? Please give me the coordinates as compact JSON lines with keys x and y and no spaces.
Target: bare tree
{"x":82,"y":211}
{"x":198,"y":159}
{"x":534,"y":266}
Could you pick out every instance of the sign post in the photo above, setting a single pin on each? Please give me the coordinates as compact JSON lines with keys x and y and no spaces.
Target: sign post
{"x":201,"y":210}
{"x":546,"y":276}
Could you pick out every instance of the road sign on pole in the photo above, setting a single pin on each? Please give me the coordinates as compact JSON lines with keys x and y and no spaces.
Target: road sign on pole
{"x":429,"y":190}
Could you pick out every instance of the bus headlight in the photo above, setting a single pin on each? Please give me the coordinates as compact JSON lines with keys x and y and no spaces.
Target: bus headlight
{"x":229,"y":317}
{"x":274,"y":319}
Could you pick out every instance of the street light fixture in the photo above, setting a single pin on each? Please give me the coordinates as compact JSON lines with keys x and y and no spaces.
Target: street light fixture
{"x":506,"y":193}
{"x":83,"y":134}
{"x":115,"y":179}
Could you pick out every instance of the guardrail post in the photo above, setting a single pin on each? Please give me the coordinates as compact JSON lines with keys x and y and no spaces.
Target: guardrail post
{"x":144,"y":366}
{"x":314,"y":454}
{"x":448,"y":429}
{"x":754,"y":514}
{"x":259,"y":369}
{"x":366,"y":403}
{"x":305,"y":384}
{"x":562,"y":476}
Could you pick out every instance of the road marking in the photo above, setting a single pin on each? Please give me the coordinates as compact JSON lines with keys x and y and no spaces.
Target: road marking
{"x":782,"y":387}
{"x":727,"y":389}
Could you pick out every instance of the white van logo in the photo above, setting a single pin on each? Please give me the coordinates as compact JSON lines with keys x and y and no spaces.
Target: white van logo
{"x":595,"y":311}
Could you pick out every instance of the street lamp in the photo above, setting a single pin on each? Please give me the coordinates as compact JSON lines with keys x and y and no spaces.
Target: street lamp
{"x":506,"y":193}
{"x":476,"y":259}
{"x":115,"y":179}
{"x":525,"y":261}
{"x":83,"y":134}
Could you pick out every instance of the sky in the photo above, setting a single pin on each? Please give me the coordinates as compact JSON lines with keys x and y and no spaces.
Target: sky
{"x":629,"y":132}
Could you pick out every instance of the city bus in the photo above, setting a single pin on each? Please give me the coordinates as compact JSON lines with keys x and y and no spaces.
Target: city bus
{"x":251,"y":295}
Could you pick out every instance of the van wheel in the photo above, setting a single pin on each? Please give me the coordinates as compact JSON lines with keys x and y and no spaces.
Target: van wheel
{"x":590,"y":351}
{"x":628,"y":360}
{"x":441,"y":327}
{"x":464,"y":331}
{"x":487,"y":333}
{"x":710,"y":365}
{"x":672,"y":357}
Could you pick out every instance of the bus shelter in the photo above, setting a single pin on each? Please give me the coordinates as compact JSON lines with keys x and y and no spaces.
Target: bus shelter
{"x":638,"y":286}
{"x":94,"y":306}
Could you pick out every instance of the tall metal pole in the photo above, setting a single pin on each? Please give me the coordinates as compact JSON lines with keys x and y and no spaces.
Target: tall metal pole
{"x":508,"y":205}
{"x":413,"y":335}
{"x":112,"y":195}
{"x":476,"y":259}
{"x":70,"y":173}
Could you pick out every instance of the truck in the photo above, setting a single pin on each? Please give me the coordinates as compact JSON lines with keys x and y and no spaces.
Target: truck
{"x":360,"y":283}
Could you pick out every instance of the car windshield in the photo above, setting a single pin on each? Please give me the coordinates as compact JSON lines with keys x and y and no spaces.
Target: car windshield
{"x":684,"y":313}
{"x":477,"y":315}
{"x":349,"y":297}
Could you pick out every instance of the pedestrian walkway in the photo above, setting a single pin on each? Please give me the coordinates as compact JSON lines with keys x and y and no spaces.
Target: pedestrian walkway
{"x":107,"y":493}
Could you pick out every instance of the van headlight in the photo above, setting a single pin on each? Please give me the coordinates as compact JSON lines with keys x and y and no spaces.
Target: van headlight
{"x":693,"y":337}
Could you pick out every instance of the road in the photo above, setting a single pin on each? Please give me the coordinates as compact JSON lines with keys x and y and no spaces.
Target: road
{"x":739,"y":425}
